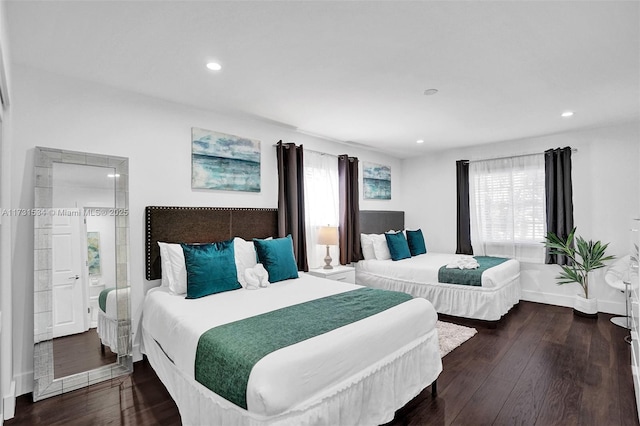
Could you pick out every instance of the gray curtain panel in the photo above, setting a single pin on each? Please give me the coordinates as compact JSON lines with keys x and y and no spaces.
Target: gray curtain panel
{"x":559,"y":196}
{"x":463,"y":245}
{"x":291,"y":199}
{"x":349,"y":231}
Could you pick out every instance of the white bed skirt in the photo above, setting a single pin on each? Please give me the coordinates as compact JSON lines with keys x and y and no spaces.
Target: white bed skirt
{"x":108,"y":333}
{"x":482,"y":303}
{"x":371,"y":397}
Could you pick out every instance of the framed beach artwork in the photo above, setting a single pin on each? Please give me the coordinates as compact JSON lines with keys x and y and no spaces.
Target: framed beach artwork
{"x":224,"y":162}
{"x":93,"y":253}
{"x":376,"y":181}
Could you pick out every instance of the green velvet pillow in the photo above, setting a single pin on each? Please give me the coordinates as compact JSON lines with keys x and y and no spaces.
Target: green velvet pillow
{"x":277,"y":257}
{"x":416,"y":242}
{"x":398,"y":246}
{"x":211,"y":268}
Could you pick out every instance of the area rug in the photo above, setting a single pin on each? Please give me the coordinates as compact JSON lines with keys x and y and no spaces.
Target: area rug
{"x":450,"y":336}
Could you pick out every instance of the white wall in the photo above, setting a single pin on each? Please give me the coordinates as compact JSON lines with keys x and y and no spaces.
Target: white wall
{"x":155,"y":135}
{"x":606,"y":196}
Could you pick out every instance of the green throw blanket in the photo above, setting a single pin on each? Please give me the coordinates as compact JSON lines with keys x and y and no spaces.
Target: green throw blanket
{"x":102,"y":299}
{"x":226,"y":354}
{"x":471,"y":277}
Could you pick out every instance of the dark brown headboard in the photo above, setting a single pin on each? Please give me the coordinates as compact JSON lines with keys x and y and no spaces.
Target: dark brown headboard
{"x":202,"y":225}
{"x":380,"y":221}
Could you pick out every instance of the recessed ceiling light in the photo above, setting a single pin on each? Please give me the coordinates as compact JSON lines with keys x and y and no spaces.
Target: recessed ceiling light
{"x":420,"y":141}
{"x":113,"y":175}
{"x":214,"y":66}
{"x":430,"y":92}
{"x":567,"y":113}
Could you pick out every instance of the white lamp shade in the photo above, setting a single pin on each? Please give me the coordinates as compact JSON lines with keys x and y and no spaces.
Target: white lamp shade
{"x":328,"y":235}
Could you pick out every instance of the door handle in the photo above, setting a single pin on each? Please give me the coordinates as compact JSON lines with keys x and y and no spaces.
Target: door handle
{"x":77,"y":277}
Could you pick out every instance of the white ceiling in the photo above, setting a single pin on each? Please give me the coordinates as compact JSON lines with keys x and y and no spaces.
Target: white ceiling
{"x":356,"y":71}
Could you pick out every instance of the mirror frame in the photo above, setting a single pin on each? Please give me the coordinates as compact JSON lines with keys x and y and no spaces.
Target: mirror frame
{"x":45,"y":385}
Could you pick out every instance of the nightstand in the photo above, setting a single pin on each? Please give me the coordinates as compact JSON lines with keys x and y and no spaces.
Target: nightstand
{"x":342,"y":273}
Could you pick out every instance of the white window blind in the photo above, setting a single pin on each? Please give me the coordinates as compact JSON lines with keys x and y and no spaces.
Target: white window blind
{"x":507,"y":203}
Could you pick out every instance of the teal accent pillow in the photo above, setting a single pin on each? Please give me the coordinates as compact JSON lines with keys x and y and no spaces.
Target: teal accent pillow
{"x":211,"y":268}
{"x":277,"y":257}
{"x":398,"y":246}
{"x":416,"y":242}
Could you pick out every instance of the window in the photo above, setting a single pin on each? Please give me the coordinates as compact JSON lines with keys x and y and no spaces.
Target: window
{"x":321,"y":202}
{"x":507,"y":203}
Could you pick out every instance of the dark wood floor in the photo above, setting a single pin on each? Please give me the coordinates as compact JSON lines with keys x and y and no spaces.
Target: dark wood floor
{"x":79,"y":352}
{"x":540,"y":365}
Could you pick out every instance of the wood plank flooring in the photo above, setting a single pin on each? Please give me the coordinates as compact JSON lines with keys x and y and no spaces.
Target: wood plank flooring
{"x":540,"y":365}
{"x":79,"y":352}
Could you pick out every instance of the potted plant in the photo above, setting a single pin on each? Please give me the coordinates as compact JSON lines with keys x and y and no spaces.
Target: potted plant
{"x":584,"y":257}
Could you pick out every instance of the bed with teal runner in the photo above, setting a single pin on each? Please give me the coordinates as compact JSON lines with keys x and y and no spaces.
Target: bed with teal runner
{"x":226,"y":354}
{"x":102,"y":298}
{"x":472,"y":277}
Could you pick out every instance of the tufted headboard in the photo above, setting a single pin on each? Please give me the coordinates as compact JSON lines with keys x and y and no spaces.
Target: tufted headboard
{"x":380,"y":221}
{"x":202,"y":225}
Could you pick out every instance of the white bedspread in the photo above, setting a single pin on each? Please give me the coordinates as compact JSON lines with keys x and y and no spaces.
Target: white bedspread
{"x":418,"y":276}
{"x":424,"y":269}
{"x":295,"y":375}
{"x":117,"y":305}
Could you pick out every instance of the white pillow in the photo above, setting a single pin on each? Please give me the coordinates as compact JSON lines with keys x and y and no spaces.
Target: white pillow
{"x":366,"y":241}
{"x":245,"y":256}
{"x":166,"y":265}
{"x":380,"y":247}
{"x":175,"y":267}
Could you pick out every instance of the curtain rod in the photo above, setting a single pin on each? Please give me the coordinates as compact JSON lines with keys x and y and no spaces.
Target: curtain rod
{"x":311,"y":150}
{"x":321,"y":153}
{"x":573,"y":150}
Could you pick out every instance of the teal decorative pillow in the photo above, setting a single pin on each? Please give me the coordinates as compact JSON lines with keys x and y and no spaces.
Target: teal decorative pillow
{"x":398,"y":246}
{"x":277,"y":257}
{"x":211,"y":268}
{"x":416,"y":242}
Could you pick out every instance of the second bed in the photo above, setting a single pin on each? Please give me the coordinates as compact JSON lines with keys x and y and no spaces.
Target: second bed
{"x":498,"y":293}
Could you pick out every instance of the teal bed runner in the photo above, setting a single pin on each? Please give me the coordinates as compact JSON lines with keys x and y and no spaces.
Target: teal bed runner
{"x":226,"y":354}
{"x":102,"y":299}
{"x":472,"y":277}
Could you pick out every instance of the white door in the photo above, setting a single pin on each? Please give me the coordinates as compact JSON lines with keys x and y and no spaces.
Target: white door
{"x":69,"y":311}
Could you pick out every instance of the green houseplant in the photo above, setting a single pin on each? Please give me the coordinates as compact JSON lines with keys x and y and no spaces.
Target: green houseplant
{"x":584,"y":257}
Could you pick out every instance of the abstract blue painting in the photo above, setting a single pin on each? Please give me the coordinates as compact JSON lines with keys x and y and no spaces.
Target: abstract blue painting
{"x":224,"y":162}
{"x":376,"y":181}
{"x":93,"y":252}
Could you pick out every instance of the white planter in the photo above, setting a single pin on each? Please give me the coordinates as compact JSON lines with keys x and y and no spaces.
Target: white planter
{"x":585,"y":307}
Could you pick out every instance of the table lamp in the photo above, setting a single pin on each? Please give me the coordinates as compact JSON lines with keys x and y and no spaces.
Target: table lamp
{"x":328,"y":235}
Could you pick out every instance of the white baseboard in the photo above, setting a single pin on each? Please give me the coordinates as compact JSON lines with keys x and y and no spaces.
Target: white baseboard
{"x":547,"y":298}
{"x":606,"y":306}
{"x":24,"y":383}
{"x":9,"y":403}
{"x":610,"y":307}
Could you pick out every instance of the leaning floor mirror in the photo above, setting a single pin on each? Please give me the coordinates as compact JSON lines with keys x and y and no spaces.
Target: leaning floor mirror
{"x":82,"y":321}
